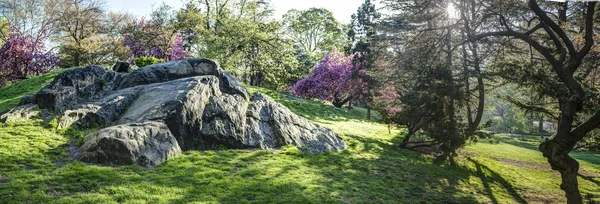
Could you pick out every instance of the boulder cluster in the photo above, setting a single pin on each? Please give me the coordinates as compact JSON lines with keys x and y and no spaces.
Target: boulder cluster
{"x":154,"y":113}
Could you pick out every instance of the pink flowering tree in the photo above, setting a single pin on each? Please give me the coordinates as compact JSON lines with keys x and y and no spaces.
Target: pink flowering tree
{"x":334,"y":79}
{"x":386,"y":101}
{"x":23,"y":56}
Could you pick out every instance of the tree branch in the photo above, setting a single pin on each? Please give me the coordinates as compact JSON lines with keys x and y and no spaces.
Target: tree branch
{"x":522,"y":36}
{"x":587,"y":126}
{"x":555,"y":27}
{"x":589,"y":37}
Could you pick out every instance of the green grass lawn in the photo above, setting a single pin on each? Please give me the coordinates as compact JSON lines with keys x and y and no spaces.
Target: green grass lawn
{"x":35,"y":168}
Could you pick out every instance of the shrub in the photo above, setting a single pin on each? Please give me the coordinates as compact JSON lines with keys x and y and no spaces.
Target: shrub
{"x":145,"y":61}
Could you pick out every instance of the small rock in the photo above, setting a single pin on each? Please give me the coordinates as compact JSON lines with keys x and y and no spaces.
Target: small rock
{"x":27,"y":99}
{"x":122,"y":67}
{"x":24,"y":112}
{"x":146,"y":144}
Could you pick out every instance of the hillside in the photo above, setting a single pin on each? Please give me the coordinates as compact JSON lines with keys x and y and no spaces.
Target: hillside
{"x":35,"y":167}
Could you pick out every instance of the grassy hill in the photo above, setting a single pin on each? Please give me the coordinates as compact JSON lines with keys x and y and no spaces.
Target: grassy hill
{"x":35,"y":168}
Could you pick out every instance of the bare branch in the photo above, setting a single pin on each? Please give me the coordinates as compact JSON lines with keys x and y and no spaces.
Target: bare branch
{"x":555,"y":27}
{"x":587,"y":126}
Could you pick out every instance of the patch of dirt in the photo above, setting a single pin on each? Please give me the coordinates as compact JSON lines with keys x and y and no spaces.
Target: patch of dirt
{"x":524,"y":164}
{"x":3,"y":179}
{"x":589,"y":174}
{"x":433,"y":150}
{"x":533,"y":198}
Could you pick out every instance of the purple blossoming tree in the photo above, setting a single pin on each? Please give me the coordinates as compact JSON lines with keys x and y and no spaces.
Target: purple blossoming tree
{"x":176,"y":52}
{"x":23,"y":56}
{"x":334,"y":79}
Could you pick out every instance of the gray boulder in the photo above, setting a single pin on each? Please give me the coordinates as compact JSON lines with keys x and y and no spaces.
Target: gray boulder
{"x":159,"y":110}
{"x":24,"y":112}
{"x":76,"y":86}
{"x":272,"y":125}
{"x":27,"y":99}
{"x":102,"y":113}
{"x":145,"y":144}
{"x":194,"y":67}
{"x":231,"y":85}
{"x":179,"y":103}
{"x":224,"y":123}
{"x":167,"y":71}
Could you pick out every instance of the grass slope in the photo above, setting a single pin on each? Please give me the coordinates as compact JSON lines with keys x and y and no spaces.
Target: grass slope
{"x":35,"y":168}
{"x":11,"y":95}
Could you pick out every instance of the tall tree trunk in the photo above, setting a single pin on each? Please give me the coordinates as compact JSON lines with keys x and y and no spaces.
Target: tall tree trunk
{"x":473,"y":124}
{"x":339,"y":102}
{"x":541,"y":126}
{"x":557,"y":151}
{"x":406,"y":139}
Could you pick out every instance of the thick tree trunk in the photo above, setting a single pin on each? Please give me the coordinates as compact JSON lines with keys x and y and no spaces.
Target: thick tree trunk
{"x":368,"y":112}
{"x":560,"y":160}
{"x":406,"y":139}
{"x":557,"y":150}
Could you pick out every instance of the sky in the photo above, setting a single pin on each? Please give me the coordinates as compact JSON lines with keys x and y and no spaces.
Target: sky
{"x":342,"y":9}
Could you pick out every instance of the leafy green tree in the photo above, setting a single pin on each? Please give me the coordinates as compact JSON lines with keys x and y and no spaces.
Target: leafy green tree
{"x":79,"y":21}
{"x":315,"y":32}
{"x":562,"y":54}
{"x":363,"y":34}
{"x":432,"y":46}
{"x":31,"y":17}
{"x":242,"y":37}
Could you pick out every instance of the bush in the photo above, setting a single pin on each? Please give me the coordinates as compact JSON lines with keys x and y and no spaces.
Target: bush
{"x":145,"y":61}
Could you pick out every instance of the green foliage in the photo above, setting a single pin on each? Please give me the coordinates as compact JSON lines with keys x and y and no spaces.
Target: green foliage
{"x":102,"y":83}
{"x":145,"y":61}
{"x":243,"y":38}
{"x":315,"y":31}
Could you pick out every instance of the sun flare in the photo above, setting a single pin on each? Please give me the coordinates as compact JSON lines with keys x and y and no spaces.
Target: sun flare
{"x":452,"y":12}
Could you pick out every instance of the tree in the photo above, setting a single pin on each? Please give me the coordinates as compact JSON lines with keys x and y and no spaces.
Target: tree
{"x":79,"y":21}
{"x":331,"y":80}
{"x":363,"y":33}
{"x":148,"y":38}
{"x":33,"y":17}
{"x":563,"y":42}
{"x":438,"y":68}
{"x":243,"y":37}
{"x":315,"y":32}
{"x":23,"y":56}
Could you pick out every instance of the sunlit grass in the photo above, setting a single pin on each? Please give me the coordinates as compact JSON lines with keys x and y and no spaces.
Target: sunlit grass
{"x":35,"y":167}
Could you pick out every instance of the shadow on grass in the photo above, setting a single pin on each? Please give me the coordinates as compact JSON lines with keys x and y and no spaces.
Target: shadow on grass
{"x":522,"y":144}
{"x":371,"y":171}
{"x":374,"y":171}
{"x":589,"y":178}
{"x":582,"y":156}
{"x":497,"y":178}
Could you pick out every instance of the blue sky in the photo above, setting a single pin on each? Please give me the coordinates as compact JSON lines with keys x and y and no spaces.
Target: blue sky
{"x":342,"y":9}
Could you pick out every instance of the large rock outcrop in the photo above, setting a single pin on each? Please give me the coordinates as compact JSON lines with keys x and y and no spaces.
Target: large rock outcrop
{"x":155,"y":112}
